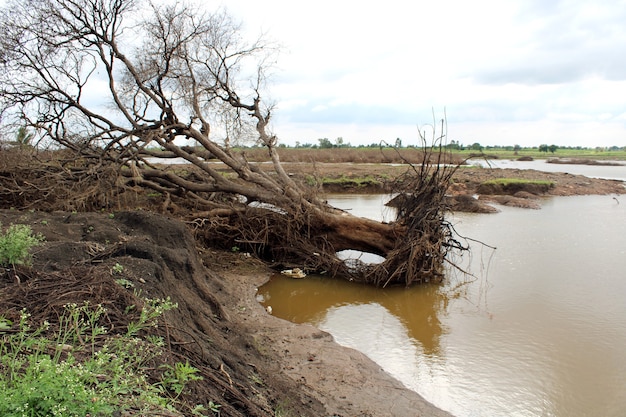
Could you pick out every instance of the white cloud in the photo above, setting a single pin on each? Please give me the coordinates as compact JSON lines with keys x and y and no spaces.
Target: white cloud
{"x":505,"y":72}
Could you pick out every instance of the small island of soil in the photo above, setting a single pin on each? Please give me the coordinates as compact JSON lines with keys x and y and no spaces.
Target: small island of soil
{"x":479,"y":182}
{"x":466,"y":192}
{"x":583,"y":161}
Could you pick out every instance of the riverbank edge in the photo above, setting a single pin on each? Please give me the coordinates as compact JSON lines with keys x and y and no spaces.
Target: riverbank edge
{"x":344,"y":380}
{"x":281,"y":368}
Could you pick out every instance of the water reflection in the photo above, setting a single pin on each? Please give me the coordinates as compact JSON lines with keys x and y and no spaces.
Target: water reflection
{"x":411,"y":314}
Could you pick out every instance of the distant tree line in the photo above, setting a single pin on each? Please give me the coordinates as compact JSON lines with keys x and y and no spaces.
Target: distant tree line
{"x":24,"y":137}
{"x":325,"y":143}
{"x":546,"y":148}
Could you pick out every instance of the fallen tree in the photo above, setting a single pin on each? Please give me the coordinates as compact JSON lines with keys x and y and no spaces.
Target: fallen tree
{"x":121,"y":85}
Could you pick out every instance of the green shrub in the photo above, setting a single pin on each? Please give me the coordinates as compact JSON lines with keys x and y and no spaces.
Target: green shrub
{"x":15,"y":245}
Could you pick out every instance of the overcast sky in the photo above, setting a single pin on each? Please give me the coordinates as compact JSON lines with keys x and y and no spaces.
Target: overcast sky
{"x":506,"y":72}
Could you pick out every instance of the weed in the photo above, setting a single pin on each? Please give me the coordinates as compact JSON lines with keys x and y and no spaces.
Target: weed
{"x":151,"y":311}
{"x":16,"y":243}
{"x":310,"y":180}
{"x":41,"y":376}
{"x":256,"y":379}
{"x":117,"y":269}
{"x":176,"y":377}
{"x":125,"y":283}
{"x":5,"y":324}
{"x":282,"y":410}
{"x":214,"y":407}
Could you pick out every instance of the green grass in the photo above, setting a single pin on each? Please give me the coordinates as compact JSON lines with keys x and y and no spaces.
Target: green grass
{"x":358,"y":181}
{"x":388,"y":154}
{"x":502,"y":153}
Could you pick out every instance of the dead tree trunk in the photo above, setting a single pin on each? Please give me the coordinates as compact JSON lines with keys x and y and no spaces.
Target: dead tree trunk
{"x":179,"y":95}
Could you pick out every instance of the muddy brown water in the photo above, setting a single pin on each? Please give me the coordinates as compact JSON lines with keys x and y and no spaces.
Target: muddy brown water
{"x":540,"y":330}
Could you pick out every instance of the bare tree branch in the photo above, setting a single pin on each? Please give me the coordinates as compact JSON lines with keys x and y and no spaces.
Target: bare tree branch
{"x":121,"y":83}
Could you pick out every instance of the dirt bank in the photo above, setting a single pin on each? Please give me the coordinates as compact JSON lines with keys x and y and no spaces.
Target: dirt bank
{"x":467,"y":181}
{"x":470,"y":177}
{"x":564,"y":184}
{"x":253,"y":364}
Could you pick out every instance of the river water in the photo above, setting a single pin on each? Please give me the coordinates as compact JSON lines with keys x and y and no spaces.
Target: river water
{"x":538,"y":330}
{"x":593,"y":171}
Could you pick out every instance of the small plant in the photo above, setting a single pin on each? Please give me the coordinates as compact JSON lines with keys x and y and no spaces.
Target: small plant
{"x":235,"y":249}
{"x":16,"y":243}
{"x":256,"y":379}
{"x":310,"y":180}
{"x":176,"y":377}
{"x":282,"y":410}
{"x":23,"y":137}
{"x":117,"y":269}
{"x":151,"y":311}
{"x":5,"y":324}
{"x":214,"y":407}
{"x":125,"y":283}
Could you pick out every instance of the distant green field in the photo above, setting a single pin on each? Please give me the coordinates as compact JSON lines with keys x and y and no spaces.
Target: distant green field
{"x":387,"y":154}
{"x":534,"y":153}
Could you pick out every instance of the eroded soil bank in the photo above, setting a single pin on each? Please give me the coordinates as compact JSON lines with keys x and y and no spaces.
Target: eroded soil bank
{"x":253,"y":364}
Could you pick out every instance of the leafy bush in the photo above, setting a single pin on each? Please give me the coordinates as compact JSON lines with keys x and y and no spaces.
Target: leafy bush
{"x":15,"y":245}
